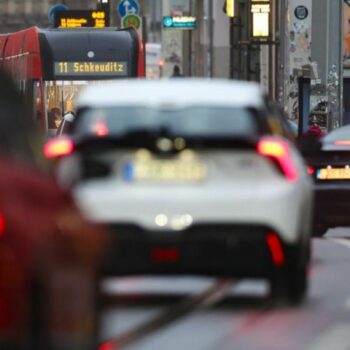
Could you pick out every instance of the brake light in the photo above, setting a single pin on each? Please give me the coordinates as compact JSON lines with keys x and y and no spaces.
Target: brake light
{"x":101,"y":129}
{"x":278,"y":150}
{"x":276,"y":249}
{"x":165,"y":254}
{"x":110,"y":345}
{"x":58,"y":148}
{"x":342,"y":142}
{"x":310,"y":170}
{"x":2,"y":225}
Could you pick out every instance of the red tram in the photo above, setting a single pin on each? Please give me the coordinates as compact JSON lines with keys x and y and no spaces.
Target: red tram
{"x":52,"y":65}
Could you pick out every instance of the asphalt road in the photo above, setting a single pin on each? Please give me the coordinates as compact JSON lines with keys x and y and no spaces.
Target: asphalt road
{"x":209,"y":314}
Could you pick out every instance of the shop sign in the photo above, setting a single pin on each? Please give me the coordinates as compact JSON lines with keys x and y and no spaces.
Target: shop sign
{"x":180,"y":22}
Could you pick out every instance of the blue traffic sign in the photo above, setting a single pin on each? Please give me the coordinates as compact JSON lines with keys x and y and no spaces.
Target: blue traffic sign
{"x":54,"y":9}
{"x":128,"y":7}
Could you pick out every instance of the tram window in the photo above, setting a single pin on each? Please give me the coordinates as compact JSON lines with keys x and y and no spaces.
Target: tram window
{"x":38,"y":114}
{"x":60,"y":96}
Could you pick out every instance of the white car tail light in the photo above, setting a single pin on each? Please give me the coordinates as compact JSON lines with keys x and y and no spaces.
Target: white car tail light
{"x":276,"y":249}
{"x":100,"y":129}
{"x":279,"y":151}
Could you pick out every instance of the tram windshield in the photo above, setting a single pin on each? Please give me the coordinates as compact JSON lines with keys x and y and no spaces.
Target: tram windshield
{"x":59,"y":97}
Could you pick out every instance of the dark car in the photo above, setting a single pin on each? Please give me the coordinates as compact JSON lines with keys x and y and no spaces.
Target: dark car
{"x":329,"y":165}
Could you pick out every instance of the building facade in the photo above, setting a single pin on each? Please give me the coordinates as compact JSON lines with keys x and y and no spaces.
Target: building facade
{"x":19,"y":14}
{"x":222,"y":47}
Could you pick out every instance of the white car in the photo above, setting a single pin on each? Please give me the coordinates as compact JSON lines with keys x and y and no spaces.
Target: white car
{"x":191,"y":176}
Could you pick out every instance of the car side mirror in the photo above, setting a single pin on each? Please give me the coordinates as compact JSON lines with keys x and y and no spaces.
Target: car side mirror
{"x":309,"y":145}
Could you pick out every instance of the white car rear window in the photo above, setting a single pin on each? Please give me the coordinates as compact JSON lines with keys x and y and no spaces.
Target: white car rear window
{"x":191,"y":121}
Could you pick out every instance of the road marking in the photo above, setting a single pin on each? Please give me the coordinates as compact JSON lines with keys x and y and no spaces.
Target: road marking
{"x":188,"y":305}
{"x":337,"y":338}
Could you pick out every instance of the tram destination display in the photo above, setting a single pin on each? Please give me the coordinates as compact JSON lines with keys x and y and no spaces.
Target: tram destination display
{"x":82,"y":18}
{"x":91,"y":68}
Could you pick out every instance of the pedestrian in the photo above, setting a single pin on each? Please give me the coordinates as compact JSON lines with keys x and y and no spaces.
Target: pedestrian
{"x":315,"y":131}
{"x":176,"y":72}
{"x":55,"y":117}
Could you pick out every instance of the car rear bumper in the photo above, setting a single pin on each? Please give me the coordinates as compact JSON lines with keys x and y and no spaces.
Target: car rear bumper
{"x":232,"y":250}
{"x":280,"y":205}
{"x":332,"y":205}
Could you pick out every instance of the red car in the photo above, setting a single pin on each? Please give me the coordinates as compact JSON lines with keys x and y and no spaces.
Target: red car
{"x":49,"y":253}
{"x":49,"y":258}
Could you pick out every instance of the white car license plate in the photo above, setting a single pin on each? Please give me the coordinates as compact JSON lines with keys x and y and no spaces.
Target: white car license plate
{"x":159,"y":170}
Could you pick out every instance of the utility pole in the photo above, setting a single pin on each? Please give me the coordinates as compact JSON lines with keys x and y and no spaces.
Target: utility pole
{"x":232,"y":59}
{"x":282,"y":52}
{"x":231,"y":10}
{"x":327,"y":54}
{"x":335,"y":65}
{"x":211,"y":38}
{"x":115,"y":21}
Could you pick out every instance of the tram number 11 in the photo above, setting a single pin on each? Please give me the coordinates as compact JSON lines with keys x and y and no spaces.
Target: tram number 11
{"x":63,"y":67}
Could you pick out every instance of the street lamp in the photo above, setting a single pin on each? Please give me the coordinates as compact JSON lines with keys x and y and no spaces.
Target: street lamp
{"x":260,"y":19}
{"x":230,"y":8}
